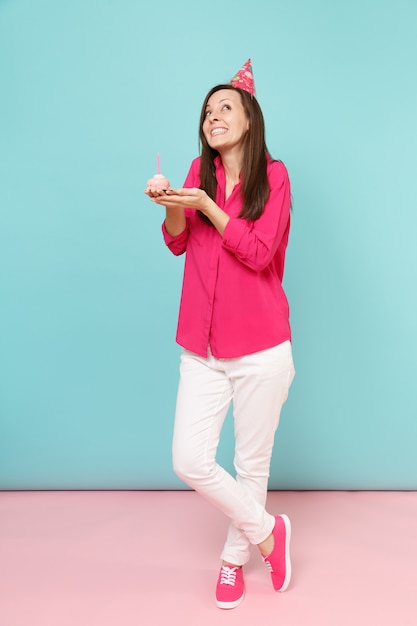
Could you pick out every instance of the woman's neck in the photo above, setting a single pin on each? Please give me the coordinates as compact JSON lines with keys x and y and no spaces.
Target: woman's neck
{"x":232,"y":163}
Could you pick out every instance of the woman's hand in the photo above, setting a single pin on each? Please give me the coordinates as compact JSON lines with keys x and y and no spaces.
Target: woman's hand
{"x":194,"y":198}
{"x":154,"y":192}
{"x":182,"y":198}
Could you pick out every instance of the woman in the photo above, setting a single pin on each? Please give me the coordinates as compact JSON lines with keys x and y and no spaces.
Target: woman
{"x":232,"y":219}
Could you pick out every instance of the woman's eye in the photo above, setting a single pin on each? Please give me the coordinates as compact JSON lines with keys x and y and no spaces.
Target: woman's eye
{"x":207,"y":113}
{"x":227,"y":107}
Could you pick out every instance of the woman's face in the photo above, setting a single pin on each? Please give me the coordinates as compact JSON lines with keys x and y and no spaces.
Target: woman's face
{"x":225,"y":122}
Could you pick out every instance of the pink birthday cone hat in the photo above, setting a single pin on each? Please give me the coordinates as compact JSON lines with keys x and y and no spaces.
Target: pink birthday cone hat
{"x":244,"y":78}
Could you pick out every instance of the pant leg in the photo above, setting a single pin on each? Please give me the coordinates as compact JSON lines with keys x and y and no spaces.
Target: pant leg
{"x":203,"y":399}
{"x":204,"y":395}
{"x":261,"y":383}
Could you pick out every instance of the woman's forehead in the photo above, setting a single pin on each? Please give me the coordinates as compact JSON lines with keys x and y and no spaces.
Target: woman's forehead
{"x":221,"y":95}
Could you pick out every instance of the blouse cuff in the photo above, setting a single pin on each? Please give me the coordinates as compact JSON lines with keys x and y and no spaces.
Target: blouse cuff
{"x":233,"y":233}
{"x":177,"y":243}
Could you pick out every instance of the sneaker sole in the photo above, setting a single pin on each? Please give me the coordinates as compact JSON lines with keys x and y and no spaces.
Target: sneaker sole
{"x":287,"y":578}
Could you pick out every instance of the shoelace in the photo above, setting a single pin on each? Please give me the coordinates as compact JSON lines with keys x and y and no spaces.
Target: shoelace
{"x":228,"y":575}
{"x":268,"y":564}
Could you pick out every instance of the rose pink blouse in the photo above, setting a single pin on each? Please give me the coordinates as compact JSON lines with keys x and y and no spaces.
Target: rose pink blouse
{"x":232,"y":297}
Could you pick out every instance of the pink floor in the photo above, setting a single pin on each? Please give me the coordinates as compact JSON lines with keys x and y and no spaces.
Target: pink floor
{"x":120,"y":559}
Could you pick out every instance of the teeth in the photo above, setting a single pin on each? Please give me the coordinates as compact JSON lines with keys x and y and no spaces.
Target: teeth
{"x":218,"y":131}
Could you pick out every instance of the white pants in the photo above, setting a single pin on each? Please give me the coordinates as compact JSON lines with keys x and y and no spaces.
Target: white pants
{"x":258,"y":385}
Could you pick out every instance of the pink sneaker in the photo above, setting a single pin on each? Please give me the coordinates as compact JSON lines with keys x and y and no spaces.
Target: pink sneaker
{"x":278,"y":562}
{"x":230,"y":589}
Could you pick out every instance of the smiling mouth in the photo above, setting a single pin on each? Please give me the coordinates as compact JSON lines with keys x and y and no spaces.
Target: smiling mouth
{"x":218,"y":131}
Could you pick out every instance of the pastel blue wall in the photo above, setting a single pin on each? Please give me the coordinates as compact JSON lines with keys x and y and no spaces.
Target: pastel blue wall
{"x":90,"y":91}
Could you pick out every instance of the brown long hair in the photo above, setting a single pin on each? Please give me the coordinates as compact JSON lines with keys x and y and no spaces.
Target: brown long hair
{"x":255,"y":186}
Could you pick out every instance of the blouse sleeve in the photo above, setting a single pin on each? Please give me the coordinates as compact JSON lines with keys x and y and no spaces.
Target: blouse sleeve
{"x":255,"y":243}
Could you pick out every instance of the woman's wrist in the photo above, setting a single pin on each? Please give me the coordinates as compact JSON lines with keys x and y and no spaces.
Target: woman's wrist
{"x":175,"y":220}
{"x":216,"y":215}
